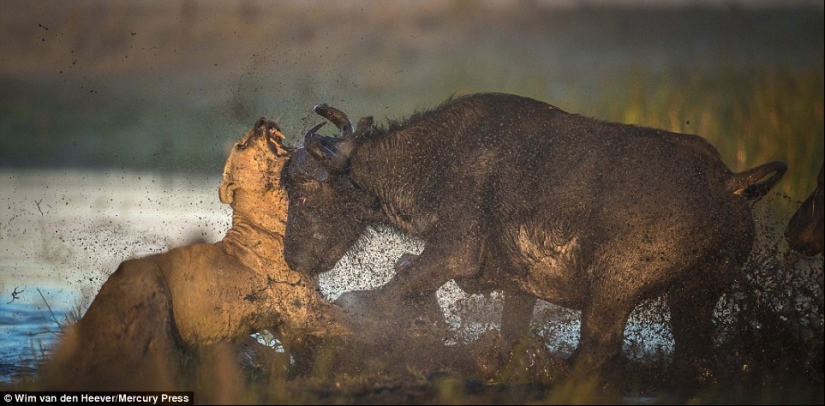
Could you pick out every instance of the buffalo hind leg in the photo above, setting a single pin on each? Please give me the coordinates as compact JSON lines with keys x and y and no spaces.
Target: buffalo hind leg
{"x":517,"y":315}
{"x":691,"y":320}
{"x":603,"y":322}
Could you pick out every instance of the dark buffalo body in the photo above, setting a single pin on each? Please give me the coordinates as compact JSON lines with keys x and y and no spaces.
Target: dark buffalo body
{"x":514,"y":194}
{"x":805,"y":229}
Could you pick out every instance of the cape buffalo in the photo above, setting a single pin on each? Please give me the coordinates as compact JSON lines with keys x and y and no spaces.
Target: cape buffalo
{"x":805,"y":229}
{"x":202,"y":294}
{"x":514,"y":194}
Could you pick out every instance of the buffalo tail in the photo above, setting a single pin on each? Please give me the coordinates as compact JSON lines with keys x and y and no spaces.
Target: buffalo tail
{"x":747,"y":183}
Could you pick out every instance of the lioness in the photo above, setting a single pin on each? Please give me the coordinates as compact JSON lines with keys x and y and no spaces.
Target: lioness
{"x":189,"y":297}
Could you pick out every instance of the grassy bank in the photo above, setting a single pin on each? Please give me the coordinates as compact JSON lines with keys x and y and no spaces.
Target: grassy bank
{"x":167,"y":86}
{"x":751,"y":117}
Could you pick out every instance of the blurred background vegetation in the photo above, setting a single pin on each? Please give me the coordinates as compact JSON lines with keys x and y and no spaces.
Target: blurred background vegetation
{"x":167,"y":86}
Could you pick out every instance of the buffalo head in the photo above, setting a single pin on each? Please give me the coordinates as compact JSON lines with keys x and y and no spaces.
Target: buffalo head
{"x":326,"y":210}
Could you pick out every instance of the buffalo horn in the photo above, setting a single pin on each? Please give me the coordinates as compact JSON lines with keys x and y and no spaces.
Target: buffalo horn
{"x":325,"y":150}
{"x":335,"y":116}
{"x":313,"y":143}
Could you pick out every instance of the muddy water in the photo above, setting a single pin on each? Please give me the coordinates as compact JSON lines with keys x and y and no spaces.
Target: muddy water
{"x":63,"y":232}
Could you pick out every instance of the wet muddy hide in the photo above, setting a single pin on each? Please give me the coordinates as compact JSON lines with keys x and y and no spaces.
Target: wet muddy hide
{"x":155,"y":314}
{"x":513,"y":194}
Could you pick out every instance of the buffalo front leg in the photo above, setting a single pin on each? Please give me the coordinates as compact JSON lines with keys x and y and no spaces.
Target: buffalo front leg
{"x":438,"y":263}
{"x":412,"y":291}
{"x":453,"y":249}
{"x":366,"y":307}
{"x":453,"y":245}
{"x":418,"y":278}
{"x":425,"y":305}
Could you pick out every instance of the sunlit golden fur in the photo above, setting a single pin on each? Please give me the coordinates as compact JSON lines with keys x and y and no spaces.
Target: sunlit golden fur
{"x":190,"y":297}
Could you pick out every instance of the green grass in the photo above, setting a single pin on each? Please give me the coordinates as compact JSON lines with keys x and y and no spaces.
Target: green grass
{"x":751,"y":118}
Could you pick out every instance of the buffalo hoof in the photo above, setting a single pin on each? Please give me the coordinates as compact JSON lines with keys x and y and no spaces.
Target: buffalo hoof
{"x":404,"y":262}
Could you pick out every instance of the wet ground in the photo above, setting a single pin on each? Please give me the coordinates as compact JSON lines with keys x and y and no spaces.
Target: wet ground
{"x":763,"y":355}
{"x":769,"y":326}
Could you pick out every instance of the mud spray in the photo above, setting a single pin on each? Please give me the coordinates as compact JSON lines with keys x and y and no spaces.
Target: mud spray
{"x":768,"y":339}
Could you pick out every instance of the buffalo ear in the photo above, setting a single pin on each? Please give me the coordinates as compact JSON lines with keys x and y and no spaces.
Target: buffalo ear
{"x":332,"y":153}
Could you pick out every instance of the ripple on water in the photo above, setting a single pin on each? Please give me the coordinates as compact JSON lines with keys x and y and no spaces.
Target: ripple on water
{"x":28,"y":331}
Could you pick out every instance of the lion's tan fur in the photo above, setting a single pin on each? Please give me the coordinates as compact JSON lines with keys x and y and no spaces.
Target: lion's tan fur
{"x":201,"y":294}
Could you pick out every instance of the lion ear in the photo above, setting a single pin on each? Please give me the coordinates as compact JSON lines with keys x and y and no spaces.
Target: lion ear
{"x":226,"y":192}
